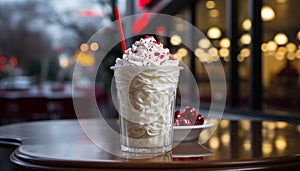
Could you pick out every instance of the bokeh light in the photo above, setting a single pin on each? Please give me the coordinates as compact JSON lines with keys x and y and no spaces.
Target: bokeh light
{"x":214,"y":13}
{"x":175,"y":40}
{"x":225,"y":43}
{"x":63,"y":61}
{"x":198,"y":52}
{"x":272,"y":46}
{"x":247,"y":24}
{"x":290,"y":56}
{"x":280,"y":143}
{"x":214,"y":143}
{"x":84,"y":47}
{"x":182,"y":51}
{"x":264,"y":47}
{"x":214,"y":33}
{"x":267,"y":13}
{"x":94,"y":46}
{"x":224,"y":52}
{"x":245,"y":39}
{"x":281,"y":38}
{"x":267,"y":147}
{"x":245,"y":52}
{"x":291,"y":47}
{"x":210,"y":4}
{"x":204,"y":43}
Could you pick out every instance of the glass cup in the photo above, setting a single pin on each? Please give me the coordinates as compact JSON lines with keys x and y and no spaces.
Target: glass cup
{"x":146,"y":100}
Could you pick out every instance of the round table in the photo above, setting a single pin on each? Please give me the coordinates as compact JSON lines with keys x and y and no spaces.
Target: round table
{"x":236,"y":144}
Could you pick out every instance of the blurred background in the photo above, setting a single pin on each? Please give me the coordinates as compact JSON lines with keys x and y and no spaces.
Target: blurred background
{"x":40,"y":41}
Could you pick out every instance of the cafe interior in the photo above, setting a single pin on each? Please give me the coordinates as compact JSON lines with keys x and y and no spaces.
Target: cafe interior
{"x":255,"y":45}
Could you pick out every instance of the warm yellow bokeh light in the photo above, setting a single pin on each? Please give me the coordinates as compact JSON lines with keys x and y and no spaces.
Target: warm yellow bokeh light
{"x":94,"y":46}
{"x":214,"y":13}
{"x":214,"y":33}
{"x":245,"y":125}
{"x":245,"y":52}
{"x":210,"y":4}
{"x":272,"y":46}
{"x":204,"y":43}
{"x":175,"y":40}
{"x":281,"y":38}
{"x":198,"y":52}
{"x":245,"y":39}
{"x":281,"y":125}
{"x":224,"y":52}
{"x":280,"y":143}
{"x":84,"y":59}
{"x":264,"y":47}
{"x":291,"y":47}
{"x":267,"y":13}
{"x":267,"y":147}
{"x":224,"y":123}
{"x":182,"y":51}
{"x":225,"y":43}
{"x":269,"y":125}
{"x":247,"y":145}
{"x":213,"y":51}
{"x":247,"y":24}
{"x":214,"y":143}
{"x":290,"y":56}
{"x":225,"y":138}
{"x":281,"y":50}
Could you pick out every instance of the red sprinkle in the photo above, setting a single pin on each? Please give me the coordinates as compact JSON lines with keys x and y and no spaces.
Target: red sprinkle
{"x":162,"y":62}
{"x":172,"y":58}
{"x":161,"y":56}
{"x":156,"y":42}
{"x":156,"y":53}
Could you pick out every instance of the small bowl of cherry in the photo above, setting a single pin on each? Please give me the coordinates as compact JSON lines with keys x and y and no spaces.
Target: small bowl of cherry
{"x":188,"y":124}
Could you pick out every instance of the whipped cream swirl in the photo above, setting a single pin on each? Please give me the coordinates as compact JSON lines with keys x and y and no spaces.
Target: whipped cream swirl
{"x":147,"y":52}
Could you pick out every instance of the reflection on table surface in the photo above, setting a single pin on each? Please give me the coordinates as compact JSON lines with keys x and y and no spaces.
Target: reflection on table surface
{"x":245,"y":139}
{"x":242,"y":139}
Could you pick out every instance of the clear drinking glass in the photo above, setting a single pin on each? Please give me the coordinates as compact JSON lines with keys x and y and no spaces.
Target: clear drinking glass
{"x":146,"y":99}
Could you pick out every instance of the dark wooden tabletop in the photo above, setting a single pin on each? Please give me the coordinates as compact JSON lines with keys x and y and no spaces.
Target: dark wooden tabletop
{"x":63,"y":145}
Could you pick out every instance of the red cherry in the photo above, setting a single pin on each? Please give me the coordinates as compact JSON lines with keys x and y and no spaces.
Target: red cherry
{"x":185,"y":122}
{"x":182,"y":122}
{"x":189,"y":109}
{"x":199,"y":119}
{"x":177,"y":114}
{"x":189,"y":113}
{"x":176,"y":122}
